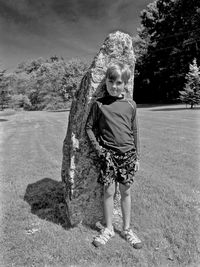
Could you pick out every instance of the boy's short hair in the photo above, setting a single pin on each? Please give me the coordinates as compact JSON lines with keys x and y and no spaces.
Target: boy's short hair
{"x":117,"y":69}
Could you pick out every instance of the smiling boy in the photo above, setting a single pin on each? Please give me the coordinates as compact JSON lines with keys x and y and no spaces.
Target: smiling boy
{"x":112,"y":129}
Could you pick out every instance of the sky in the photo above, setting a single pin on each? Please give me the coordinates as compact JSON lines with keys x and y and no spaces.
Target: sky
{"x":30,"y":29}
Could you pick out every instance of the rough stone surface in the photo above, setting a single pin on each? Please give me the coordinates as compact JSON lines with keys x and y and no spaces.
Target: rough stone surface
{"x":80,"y":166}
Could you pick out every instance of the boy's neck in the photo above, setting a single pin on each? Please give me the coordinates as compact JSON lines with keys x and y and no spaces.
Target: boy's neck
{"x":121,"y":96}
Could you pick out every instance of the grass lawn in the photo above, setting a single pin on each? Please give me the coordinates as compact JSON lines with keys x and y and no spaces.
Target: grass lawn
{"x":165,"y":196}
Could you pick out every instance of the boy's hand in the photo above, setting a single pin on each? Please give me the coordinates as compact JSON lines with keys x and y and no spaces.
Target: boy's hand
{"x":137,"y":166}
{"x":101,"y":152}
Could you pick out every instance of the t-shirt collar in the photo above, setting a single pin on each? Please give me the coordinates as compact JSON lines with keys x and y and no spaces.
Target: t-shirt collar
{"x":116,"y":97}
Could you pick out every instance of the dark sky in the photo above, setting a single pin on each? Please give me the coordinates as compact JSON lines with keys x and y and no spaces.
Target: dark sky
{"x":30,"y":29}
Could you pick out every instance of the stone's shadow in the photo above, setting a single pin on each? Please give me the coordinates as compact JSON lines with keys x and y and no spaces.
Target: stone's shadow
{"x":46,"y":198}
{"x":2,"y":120}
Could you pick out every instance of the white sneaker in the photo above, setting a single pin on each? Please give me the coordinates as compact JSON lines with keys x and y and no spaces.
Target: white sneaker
{"x":104,"y":237}
{"x":131,"y":238}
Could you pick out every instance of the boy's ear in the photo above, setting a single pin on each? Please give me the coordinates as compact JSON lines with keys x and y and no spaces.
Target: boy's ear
{"x":126,"y":89}
{"x":126,"y":86}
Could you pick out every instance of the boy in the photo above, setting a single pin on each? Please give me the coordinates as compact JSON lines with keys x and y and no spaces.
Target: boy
{"x":112,"y":130}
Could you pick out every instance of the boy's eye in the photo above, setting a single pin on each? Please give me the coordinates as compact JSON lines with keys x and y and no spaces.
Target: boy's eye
{"x":119,"y":83}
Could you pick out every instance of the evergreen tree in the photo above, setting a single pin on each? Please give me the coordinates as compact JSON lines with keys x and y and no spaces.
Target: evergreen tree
{"x":191,"y":93}
{"x":170,"y":31}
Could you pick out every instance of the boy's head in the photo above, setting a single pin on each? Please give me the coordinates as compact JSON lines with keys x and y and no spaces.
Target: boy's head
{"x":118,"y":70}
{"x":117,"y":77}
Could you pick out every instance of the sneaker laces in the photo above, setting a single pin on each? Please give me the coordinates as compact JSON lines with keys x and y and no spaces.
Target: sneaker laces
{"x":131,"y":237}
{"x":105,"y":235}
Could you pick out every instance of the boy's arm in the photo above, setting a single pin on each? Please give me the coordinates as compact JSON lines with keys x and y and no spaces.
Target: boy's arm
{"x":91,"y":124}
{"x":135,"y":129}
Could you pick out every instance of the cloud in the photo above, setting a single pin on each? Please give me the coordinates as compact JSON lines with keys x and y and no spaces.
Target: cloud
{"x":21,"y":17}
{"x":27,"y":12}
{"x":71,"y":27}
{"x":39,"y":16}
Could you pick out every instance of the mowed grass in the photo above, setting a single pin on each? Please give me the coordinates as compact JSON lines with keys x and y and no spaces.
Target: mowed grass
{"x":165,"y":196}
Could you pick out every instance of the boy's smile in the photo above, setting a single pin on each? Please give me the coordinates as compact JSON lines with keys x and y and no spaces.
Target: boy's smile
{"x":115,"y":87}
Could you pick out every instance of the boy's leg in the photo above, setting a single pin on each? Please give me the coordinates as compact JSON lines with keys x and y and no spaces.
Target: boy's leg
{"x":109,"y":192}
{"x":125,"y":191}
{"x":108,"y":231}
{"x":127,"y":233}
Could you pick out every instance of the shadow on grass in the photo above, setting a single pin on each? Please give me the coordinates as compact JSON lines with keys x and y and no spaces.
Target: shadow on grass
{"x":46,"y":198}
{"x":7,"y":112}
{"x":174,"y":109}
{"x":59,"y":110}
{"x":2,"y":120}
{"x":167,"y":107}
{"x":149,"y":105}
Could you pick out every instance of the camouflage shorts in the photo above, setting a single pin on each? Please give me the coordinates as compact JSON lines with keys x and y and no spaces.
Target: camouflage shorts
{"x":117,"y":167}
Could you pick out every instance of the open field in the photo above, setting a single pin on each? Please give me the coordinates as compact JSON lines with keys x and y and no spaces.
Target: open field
{"x":165,"y":196}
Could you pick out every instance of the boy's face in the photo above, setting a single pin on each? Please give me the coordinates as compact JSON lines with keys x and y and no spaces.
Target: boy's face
{"x":115,"y":87}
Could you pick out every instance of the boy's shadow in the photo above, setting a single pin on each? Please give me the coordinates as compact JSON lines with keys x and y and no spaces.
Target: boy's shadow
{"x":46,"y":198}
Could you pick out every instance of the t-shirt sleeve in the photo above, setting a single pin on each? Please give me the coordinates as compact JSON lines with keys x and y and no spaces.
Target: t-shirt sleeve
{"x":91,"y":126}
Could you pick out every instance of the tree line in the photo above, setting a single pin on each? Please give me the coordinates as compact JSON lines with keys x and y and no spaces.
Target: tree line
{"x":166,"y":44}
{"x":167,"y":48}
{"x":42,"y":84}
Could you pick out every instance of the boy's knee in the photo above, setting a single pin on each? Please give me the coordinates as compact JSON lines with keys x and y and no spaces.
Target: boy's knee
{"x":125,"y":190}
{"x":109,"y":191}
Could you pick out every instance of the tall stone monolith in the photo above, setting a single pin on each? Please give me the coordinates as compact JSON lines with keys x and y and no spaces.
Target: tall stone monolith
{"x":80,"y":166}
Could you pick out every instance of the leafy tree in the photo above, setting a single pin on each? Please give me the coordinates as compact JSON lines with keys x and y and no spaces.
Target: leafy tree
{"x":20,"y":101}
{"x":46,"y":83}
{"x":30,"y":66}
{"x":18,"y":87}
{"x":19,"y":83}
{"x":191,"y":93}
{"x":4,"y":90}
{"x":54,"y":58}
{"x":53,"y":84}
{"x":36,"y":93}
{"x":74,"y":71}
